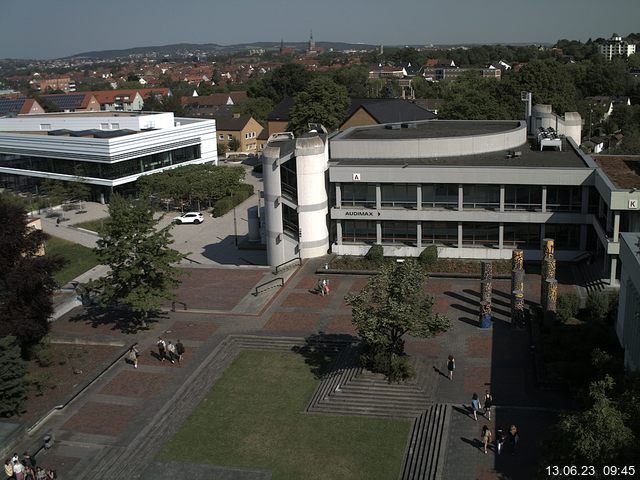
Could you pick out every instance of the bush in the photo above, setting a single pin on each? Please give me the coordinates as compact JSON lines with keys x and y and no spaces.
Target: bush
{"x":375,"y":254}
{"x":225,"y":204}
{"x":600,"y":306}
{"x":43,"y":355}
{"x":568,"y":306}
{"x":428,"y":256}
{"x":257,"y":168}
{"x":396,"y":368}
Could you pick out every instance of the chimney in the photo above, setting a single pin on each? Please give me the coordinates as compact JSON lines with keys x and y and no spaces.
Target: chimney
{"x":236,"y":115}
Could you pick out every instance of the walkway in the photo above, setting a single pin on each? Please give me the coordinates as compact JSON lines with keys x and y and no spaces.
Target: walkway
{"x":126,"y":406}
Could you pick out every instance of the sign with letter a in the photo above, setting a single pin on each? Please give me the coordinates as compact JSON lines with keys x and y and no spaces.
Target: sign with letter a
{"x":355,"y":177}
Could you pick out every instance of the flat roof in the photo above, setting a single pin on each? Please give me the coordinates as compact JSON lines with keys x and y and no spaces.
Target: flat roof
{"x":530,"y":157}
{"x":622,"y":170}
{"x":88,"y":114}
{"x":429,"y":129}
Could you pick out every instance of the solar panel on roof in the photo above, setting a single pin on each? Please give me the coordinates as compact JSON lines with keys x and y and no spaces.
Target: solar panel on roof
{"x":11,"y":105}
{"x":66,"y":101}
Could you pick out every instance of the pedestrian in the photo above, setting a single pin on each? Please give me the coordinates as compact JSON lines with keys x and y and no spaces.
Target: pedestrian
{"x":179,"y":350}
{"x":18,"y":471}
{"x":15,"y":459}
{"x":475,"y":406}
{"x":41,"y":474}
{"x":58,"y":222}
{"x":325,"y":286}
{"x":451,"y":366}
{"x":171,"y":351}
{"x":8,"y":468}
{"x":133,"y":355}
{"x":488,"y":403}
{"x":486,"y":437}
{"x":28,"y":460}
{"x":514,"y":438}
{"x":499,"y":439}
{"x":162,"y":349}
{"x":320,"y":287}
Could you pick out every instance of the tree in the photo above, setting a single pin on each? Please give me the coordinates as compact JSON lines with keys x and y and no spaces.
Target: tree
{"x":391,"y":305}
{"x":13,"y":386}
{"x":285,"y":81}
{"x":222,"y":148}
{"x":354,"y":79}
{"x":323,"y":101}
{"x":142,"y":273}
{"x":78,"y":188}
{"x":234,"y":144}
{"x":597,"y":436}
{"x":259,"y":108}
{"x":26,"y":280}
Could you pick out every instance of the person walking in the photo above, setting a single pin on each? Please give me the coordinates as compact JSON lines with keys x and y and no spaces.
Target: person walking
{"x":18,"y":471}
{"x":58,"y":222}
{"x":8,"y":468}
{"x":486,"y":437}
{"x":514,"y":438}
{"x":179,"y":350}
{"x":325,"y":286}
{"x":133,"y":355}
{"x":488,"y":403}
{"x":162,"y":349}
{"x":475,"y":406}
{"x":451,"y":366}
{"x":499,"y":440}
{"x":171,"y":351}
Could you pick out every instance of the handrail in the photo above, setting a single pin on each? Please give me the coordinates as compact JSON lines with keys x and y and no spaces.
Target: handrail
{"x":255,"y":294}
{"x":173,"y":305}
{"x":295,"y":259}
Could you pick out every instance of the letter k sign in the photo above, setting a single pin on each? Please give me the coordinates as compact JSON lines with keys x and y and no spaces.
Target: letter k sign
{"x":633,"y":204}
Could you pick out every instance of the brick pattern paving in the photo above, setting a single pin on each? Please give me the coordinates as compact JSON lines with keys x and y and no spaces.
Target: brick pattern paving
{"x":293,"y":322}
{"x":135,"y":384}
{"x":189,"y":330}
{"x":101,"y":418}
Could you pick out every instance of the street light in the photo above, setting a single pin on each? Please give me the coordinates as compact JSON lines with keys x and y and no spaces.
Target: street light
{"x":235,"y":226}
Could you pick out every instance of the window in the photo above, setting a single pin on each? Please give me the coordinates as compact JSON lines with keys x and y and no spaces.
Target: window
{"x":440,"y":195}
{"x":564,"y":199}
{"x":522,"y":235}
{"x":480,"y":234}
{"x":358,"y":195}
{"x":221,"y":136}
{"x":45,"y":126}
{"x":444,"y":233}
{"x":115,"y":126}
{"x":567,"y":237}
{"x":482,"y":197}
{"x":359,"y":231}
{"x":522,"y":197}
{"x":399,"y":195}
{"x":104,"y":126}
{"x":399,"y":232}
{"x":229,"y":137}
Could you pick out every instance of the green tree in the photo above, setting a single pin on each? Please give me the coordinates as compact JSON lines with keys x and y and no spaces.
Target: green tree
{"x":13,"y":386}
{"x":354,"y":79}
{"x":26,"y":280}
{"x":222,"y":148}
{"x":285,"y":81}
{"x":323,"y":101}
{"x":597,"y":436}
{"x":259,"y":108}
{"x":391,"y":305}
{"x":142,"y":273}
{"x":234,"y":144}
{"x":78,"y":189}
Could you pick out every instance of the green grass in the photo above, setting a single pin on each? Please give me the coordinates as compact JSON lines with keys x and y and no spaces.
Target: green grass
{"x":93,"y":225}
{"x":253,"y":418}
{"x":79,"y":258}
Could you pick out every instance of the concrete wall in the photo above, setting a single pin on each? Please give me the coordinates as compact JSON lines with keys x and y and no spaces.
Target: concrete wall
{"x":85,"y":121}
{"x":628,"y":321}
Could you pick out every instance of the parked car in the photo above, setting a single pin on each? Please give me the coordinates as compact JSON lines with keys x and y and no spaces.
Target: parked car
{"x":189,"y":217}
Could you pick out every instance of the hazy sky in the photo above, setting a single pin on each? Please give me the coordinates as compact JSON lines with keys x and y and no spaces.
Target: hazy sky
{"x":56,"y":28}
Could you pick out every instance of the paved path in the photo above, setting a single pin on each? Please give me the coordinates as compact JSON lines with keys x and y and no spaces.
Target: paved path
{"x":110,"y":416}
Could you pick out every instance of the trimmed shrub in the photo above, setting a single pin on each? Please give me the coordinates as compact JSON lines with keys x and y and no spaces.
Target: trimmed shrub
{"x":568,"y":306}
{"x":257,"y":168}
{"x":429,"y":256}
{"x":375,"y":254}
{"x":601,"y":306}
{"x":225,"y":204}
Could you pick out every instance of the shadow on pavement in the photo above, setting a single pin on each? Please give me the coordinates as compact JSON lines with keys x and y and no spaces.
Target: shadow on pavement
{"x":119,"y":319}
{"x":225,"y":252}
{"x":320,"y":350}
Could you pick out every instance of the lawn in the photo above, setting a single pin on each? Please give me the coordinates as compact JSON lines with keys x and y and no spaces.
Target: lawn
{"x":92,"y":225}
{"x":253,"y":418}
{"x":79,"y":258}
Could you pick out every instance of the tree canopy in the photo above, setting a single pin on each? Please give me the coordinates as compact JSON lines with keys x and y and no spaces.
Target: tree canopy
{"x":391,"y":305}
{"x":26,"y":279}
{"x":323,"y":101}
{"x":285,"y":81}
{"x":142,"y":273}
{"x":13,"y":386}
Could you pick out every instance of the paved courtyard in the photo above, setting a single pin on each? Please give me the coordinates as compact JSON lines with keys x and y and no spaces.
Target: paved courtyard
{"x":110,"y":421}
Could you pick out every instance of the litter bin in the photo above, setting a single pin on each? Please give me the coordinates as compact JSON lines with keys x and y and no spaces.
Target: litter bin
{"x":485,"y":320}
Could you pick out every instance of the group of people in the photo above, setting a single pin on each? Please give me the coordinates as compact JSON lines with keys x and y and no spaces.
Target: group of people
{"x":323,"y":287}
{"x":514,"y":437}
{"x":16,"y":468}
{"x":170,"y":351}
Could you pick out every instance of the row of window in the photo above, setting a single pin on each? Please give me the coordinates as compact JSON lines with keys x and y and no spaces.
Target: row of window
{"x":109,"y":171}
{"x":520,"y":235}
{"x":487,"y":197}
{"x":247,"y":136}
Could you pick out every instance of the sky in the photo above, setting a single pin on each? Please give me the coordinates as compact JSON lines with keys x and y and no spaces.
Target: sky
{"x":41,"y":29}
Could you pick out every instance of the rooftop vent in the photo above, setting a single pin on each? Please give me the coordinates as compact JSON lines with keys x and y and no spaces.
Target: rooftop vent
{"x":408,"y":125}
{"x":393,"y":126}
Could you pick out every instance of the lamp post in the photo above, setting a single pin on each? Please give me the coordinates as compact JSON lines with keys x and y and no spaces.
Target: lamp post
{"x":235,"y":226}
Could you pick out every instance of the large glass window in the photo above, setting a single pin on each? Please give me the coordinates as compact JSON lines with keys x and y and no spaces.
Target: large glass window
{"x":482,"y":197}
{"x":443,"y":233}
{"x":290,"y":220}
{"x":444,"y":195}
{"x":289,"y":180}
{"x":522,"y":235}
{"x":564,"y":198}
{"x":358,"y":231}
{"x":359,"y":195}
{"x":480,"y":234}
{"x":567,"y":237}
{"x":399,"y":232}
{"x":523,"y":197}
{"x":103,"y":170}
{"x":399,"y":195}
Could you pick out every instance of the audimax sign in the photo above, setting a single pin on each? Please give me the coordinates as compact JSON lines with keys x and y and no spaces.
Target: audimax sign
{"x":361,"y":213}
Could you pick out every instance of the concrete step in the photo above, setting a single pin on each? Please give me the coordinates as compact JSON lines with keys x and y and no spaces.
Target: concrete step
{"x":365,"y":411}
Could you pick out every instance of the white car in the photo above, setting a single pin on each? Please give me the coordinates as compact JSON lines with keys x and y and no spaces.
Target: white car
{"x":189,"y":217}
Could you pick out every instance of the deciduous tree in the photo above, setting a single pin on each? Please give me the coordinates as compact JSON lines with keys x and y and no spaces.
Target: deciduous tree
{"x":13,"y":386}
{"x":142,"y":265}
{"x":323,"y":101}
{"x":391,"y":305}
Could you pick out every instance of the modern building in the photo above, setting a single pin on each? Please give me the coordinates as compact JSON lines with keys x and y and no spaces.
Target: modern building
{"x":476,"y":189}
{"x":616,"y":46}
{"x":628,"y":322}
{"x":112,"y":150}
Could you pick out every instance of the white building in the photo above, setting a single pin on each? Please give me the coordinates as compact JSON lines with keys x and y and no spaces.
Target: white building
{"x":615,"y":46}
{"x":112,"y":150}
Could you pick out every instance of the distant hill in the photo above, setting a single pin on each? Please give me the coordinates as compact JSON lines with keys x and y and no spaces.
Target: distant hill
{"x":182,"y":48}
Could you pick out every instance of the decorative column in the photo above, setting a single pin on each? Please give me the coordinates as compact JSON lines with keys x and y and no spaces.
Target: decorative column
{"x":485,"y":291}
{"x":548,"y":282}
{"x":517,"y":316}
{"x":517,"y":287}
{"x":552,"y":297}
